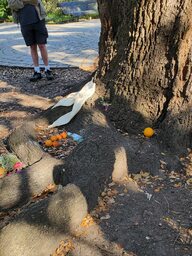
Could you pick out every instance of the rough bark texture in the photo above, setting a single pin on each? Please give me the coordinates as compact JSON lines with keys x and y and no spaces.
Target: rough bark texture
{"x":145,"y":62}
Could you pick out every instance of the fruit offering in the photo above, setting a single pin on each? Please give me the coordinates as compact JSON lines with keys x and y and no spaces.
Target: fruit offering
{"x":148,"y":132}
{"x":55,"y":141}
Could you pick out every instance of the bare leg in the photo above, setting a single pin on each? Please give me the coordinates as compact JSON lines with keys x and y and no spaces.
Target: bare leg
{"x":34,"y":55}
{"x":44,"y":54}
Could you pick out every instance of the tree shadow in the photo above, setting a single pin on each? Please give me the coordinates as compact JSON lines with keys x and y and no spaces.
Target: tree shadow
{"x":90,"y":168}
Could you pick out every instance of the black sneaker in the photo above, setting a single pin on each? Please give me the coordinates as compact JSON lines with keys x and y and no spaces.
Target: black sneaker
{"x":36,"y":76}
{"x":49,"y":75}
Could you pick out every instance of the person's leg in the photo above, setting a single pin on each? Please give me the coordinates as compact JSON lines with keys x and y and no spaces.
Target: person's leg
{"x":30,"y":40}
{"x":44,"y":54}
{"x":41,"y":39}
{"x":34,"y":55}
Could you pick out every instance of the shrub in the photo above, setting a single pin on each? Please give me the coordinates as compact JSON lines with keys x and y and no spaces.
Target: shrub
{"x":5,"y":12}
{"x":51,"y":5}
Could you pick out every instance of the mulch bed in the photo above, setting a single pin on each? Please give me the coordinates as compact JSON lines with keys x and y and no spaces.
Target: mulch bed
{"x":21,"y":98}
{"x":63,"y":147}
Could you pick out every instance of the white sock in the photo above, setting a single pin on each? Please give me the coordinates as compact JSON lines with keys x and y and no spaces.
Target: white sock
{"x":47,"y":68}
{"x":37,"y":69}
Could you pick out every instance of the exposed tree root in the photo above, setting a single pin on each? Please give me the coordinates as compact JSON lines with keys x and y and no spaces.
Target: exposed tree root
{"x":103,"y":156}
{"x":40,"y":229}
{"x":91,"y":165}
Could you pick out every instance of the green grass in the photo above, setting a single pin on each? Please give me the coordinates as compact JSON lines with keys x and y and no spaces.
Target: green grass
{"x":56,"y":18}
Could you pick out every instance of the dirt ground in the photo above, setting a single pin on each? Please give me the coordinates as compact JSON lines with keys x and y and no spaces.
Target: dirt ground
{"x":151,"y":214}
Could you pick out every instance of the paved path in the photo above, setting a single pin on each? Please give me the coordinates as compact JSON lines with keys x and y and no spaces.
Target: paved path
{"x":71,"y":44}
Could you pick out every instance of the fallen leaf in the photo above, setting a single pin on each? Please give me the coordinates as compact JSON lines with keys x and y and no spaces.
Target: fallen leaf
{"x":137,"y":177}
{"x":189,"y":182}
{"x":157,"y":190}
{"x":87,"y":221}
{"x":63,"y":248}
{"x":145,"y":174}
{"x":177,"y":185}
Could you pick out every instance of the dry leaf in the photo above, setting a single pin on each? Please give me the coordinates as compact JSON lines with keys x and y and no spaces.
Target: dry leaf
{"x":87,"y":221}
{"x":63,"y":248}
{"x":137,"y":177}
{"x":189,"y":182}
{"x":157,"y":189}
{"x":177,"y":185}
{"x":145,"y":174}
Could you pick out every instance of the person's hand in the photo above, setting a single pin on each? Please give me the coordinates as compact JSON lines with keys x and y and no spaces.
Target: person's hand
{"x":33,"y":2}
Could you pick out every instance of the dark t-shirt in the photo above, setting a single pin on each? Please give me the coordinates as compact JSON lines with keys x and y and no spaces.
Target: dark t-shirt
{"x":28,"y":15}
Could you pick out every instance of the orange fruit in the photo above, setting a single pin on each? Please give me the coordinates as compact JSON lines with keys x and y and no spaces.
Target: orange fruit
{"x":56,"y":144}
{"x":48,"y":143}
{"x":53,"y":138}
{"x":64,"y":135}
{"x":2,"y":171}
{"x":59,"y":137}
{"x":148,"y":132}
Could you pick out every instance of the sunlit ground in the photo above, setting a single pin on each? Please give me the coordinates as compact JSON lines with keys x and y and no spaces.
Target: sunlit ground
{"x":68,"y":45}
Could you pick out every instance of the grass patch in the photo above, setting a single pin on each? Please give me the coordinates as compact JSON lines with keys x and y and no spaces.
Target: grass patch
{"x":53,"y":18}
{"x":58,"y":17}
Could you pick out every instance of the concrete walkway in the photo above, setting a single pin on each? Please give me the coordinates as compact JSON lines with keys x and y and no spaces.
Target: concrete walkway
{"x":69,"y":45}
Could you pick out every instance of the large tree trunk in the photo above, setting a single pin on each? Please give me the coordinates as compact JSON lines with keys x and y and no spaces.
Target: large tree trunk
{"x":145,"y":62}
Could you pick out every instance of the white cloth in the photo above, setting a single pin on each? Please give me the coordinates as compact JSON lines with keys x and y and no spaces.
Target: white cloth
{"x":77,"y":99}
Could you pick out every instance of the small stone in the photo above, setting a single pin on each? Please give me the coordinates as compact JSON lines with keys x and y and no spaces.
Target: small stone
{"x":111,"y":184}
{"x":103,"y":194}
{"x":111,"y":201}
{"x":105,"y":217}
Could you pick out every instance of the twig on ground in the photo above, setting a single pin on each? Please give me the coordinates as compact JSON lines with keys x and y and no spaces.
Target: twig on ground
{"x":168,"y":210}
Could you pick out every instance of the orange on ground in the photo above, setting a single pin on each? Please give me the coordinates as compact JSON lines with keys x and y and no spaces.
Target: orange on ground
{"x":56,"y":144}
{"x":64,"y":135}
{"x":59,"y":137}
{"x":148,"y":132}
{"x":2,"y":171}
{"x":53,"y":138}
{"x":48,"y":143}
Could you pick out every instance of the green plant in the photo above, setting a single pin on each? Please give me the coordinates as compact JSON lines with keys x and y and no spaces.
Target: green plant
{"x":5,"y":12}
{"x":56,"y":15}
{"x":51,"y":5}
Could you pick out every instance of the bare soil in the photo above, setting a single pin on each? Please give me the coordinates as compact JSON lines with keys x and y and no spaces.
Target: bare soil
{"x":151,"y":214}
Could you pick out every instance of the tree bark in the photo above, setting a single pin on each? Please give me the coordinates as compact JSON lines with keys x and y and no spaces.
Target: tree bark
{"x":145,"y":62}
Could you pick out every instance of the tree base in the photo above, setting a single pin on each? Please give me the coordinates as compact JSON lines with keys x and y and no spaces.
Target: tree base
{"x":103,"y":156}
